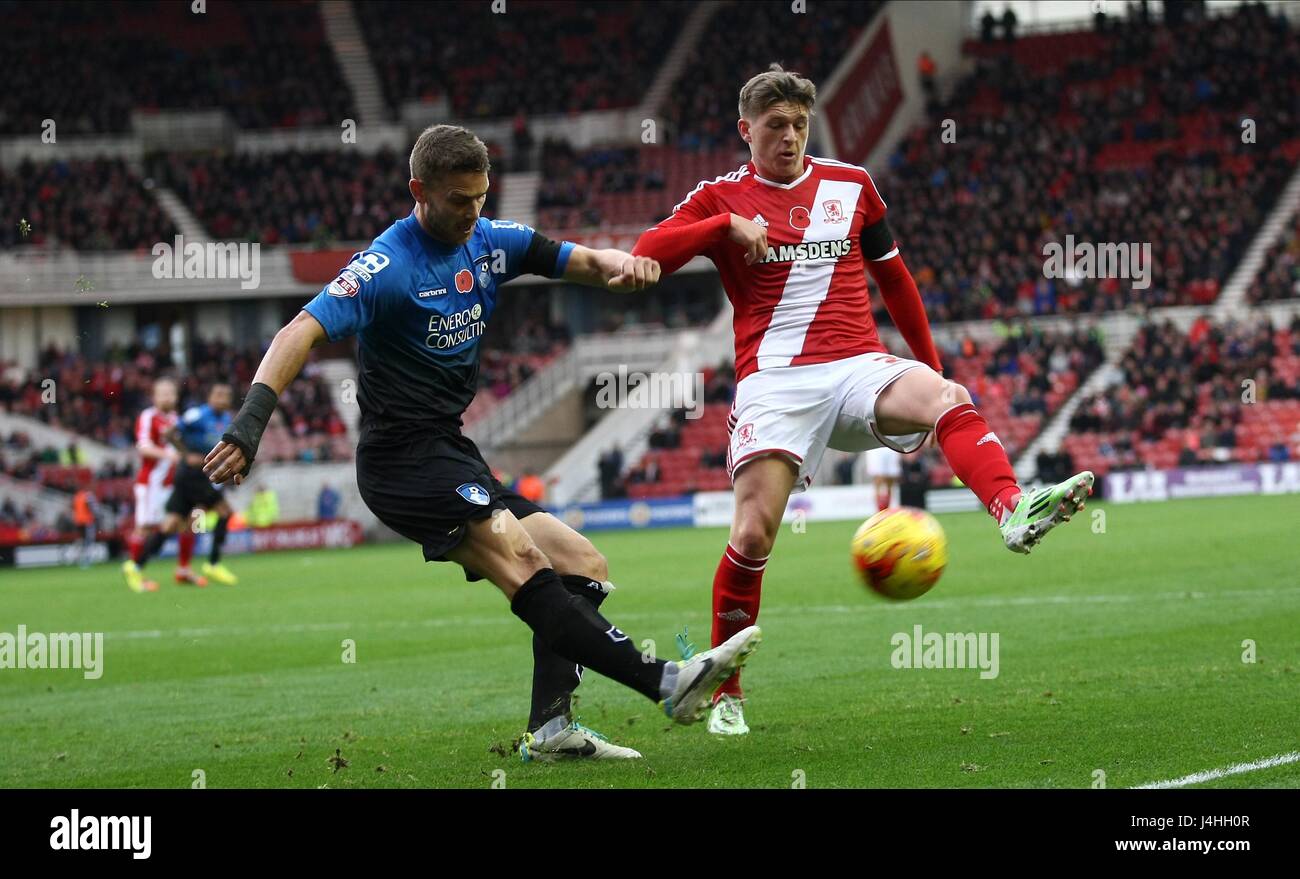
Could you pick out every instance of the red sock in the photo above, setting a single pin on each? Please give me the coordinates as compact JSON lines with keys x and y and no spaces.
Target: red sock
{"x":883,"y":496}
{"x":184,"y":547}
{"x":976,"y":455}
{"x":736,"y":589}
{"x":135,"y":545}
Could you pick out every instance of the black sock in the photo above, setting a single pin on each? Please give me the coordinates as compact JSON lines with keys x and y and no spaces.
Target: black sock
{"x":218,"y":540}
{"x":554,"y":677}
{"x":573,"y":629}
{"x":152,"y":544}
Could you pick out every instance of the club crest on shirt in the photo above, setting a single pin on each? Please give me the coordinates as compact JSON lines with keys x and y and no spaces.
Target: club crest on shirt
{"x":834,"y":211}
{"x":484,"y":264}
{"x":745,"y":435}
{"x":474,"y":493}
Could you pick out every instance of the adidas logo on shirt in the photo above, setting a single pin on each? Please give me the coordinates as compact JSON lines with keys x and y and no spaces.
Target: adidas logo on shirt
{"x":758,"y":219}
{"x":989,"y":437}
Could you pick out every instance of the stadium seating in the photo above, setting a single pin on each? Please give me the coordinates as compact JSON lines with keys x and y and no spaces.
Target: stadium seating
{"x":87,"y":204}
{"x":1132,"y":136}
{"x":549,"y":57}
{"x":701,"y":112}
{"x":295,"y":197}
{"x":100,"y":400}
{"x":266,"y":63}
{"x":1183,"y":400}
{"x":627,"y":188}
{"x":58,"y":469}
{"x":1280,"y":276}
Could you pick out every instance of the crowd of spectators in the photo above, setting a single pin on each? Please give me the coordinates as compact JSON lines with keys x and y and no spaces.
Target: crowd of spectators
{"x":545,"y":55}
{"x":83,"y":204}
{"x":1190,"y":385}
{"x":101,"y":398}
{"x":295,"y":197}
{"x":87,"y":65}
{"x":701,"y":113}
{"x":1279,"y":277}
{"x":704,"y":439}
{"x":1034,"y":149}
{"x":22,"y":460}
{"x":1033,"y":357}
{"x":570,"y":177}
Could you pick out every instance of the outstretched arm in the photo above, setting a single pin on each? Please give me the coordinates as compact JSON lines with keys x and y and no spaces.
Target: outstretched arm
{"x":232,"y":457}
{"x":612,"y":269}
{"x":676,"y":240}
{"x":898,"y":290}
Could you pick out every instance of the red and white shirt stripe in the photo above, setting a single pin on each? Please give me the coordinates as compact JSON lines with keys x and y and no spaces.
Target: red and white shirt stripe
{"x":152,"y":426}
{"x":808,"y":301}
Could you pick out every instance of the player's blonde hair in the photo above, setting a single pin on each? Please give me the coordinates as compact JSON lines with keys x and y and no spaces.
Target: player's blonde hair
{"x":448,"y":149}
{"x":776,"y":85}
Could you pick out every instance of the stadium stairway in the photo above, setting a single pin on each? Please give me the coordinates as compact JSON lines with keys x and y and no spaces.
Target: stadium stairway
{"x":345,"y":38}
{"x":46,"y":502}
{"x":1273,"y":227}
{"x":1051,"y":436}
{"x":41,"y":434}
{"x":575,"y":477}
{"x":519,"y":196}
{"x":586,"y":358}
{"x":182,"y":216}
{"x":678,"y":57}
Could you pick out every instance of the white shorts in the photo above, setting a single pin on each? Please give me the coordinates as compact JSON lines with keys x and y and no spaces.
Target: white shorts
{"x":149,"y":502}
{"x":884,"y":462}
{"x":800,"y":411}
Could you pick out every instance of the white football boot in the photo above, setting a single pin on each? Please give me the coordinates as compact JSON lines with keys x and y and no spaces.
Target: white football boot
{"x":728,"y":717}
{"x":700,"y":675}
{"x":562,"y":739}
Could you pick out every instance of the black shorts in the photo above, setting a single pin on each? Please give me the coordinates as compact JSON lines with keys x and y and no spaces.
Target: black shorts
{"x":428,"y":487}
{"x":190,"y":490}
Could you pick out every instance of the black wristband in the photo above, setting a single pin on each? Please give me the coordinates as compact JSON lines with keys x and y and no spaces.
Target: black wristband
{"x":246,"y":430}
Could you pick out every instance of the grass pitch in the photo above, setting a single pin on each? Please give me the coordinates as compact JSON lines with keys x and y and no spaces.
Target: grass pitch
{"x":1121,"y":650}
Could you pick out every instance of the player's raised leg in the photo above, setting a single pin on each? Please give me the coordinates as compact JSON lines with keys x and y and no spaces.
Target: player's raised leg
{"x":500,"y":549}
{"x":762,"y":490}
{"x":920,"y":399}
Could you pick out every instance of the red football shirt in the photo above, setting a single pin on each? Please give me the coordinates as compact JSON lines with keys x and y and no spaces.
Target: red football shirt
{"x":152,"y":426}
{"x":807,"y":302}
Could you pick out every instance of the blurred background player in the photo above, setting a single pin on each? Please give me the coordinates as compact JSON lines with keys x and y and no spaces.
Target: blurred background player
{"x":153,"y":481}
{"x":84,"y":514}
{"x":793,"y":237}
{"x":885,"y":468}
{"x":198,"y":429}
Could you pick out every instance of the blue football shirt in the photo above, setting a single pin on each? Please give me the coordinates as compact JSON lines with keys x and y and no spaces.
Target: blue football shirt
{"x":200,"y":428}
{"x":420,"y":308}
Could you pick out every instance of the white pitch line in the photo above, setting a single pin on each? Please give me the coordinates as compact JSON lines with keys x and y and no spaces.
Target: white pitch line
{"x":1212,"y":774}
{"x":866,"y":607}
